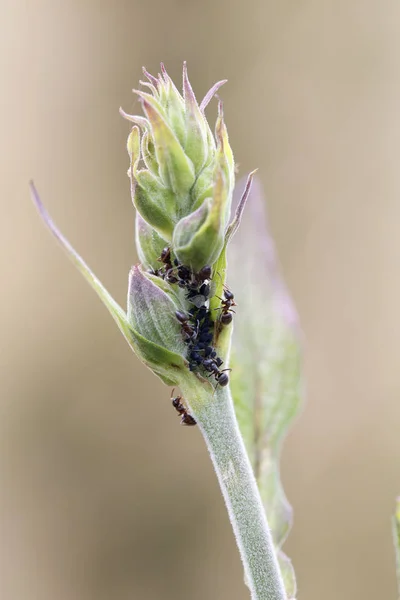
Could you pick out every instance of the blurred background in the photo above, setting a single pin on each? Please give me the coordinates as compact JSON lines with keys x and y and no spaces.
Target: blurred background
{"x":103,"y":495}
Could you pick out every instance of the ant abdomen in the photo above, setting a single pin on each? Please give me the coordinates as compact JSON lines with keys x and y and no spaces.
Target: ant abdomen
{"x":226,"y":318}
{"x":181,"y":316}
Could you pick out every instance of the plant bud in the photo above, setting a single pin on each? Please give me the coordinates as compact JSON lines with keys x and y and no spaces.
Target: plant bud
{"x":182,"y":176}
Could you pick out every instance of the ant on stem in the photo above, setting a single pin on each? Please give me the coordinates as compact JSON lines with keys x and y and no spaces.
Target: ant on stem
{"x":186,"y":418}
{"x":226,"y":306}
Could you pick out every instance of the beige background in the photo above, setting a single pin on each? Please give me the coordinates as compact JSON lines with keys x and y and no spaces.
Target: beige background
{"x":103,"y":496}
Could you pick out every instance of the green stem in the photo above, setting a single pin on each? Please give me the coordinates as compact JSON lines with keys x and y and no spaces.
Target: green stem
{"x":217,"y":421}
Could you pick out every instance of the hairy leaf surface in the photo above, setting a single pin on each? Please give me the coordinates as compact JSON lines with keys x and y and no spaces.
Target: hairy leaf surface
{"x":266,"y":375}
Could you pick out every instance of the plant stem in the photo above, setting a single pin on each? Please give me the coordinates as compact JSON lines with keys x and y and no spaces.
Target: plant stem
{"x":217,"y":420}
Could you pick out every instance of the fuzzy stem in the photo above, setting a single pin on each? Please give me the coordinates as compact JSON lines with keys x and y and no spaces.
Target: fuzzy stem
{"x":217,"y":421}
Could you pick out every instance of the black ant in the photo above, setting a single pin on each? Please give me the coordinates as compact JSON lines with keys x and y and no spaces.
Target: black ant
{"x":165,"y":259}
{"x":165,"y":256}
{"x":175,"y":272}
{"x":212,"y":366}
{"x":204,"y":273}
{"x":226,"y":307}
{"x":222,"y":378}
{"x":190,"y":332}
{"x":184,"y":273}
{"x":186,"y":418}
{"x":167,"y":272}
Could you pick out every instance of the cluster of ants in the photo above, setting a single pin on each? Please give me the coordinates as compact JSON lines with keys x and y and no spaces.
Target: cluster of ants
{"x":197,"y":325}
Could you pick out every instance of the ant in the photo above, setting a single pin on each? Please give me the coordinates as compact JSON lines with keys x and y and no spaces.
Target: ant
{"x":204,"y":273}
{"x":173,"y":271}
{"x":167,"y":271}
{"x":165,"y":256}
{"x":212,"y":366}
{"x":186,"y":418}
{"x":165,"y":259}
{"x":190,"y":332}
{"x":226,"y":307}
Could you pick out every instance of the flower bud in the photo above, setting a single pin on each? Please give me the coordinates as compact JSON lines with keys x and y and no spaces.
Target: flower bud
{"x":182,"y":180}
{"x":176,"y":165}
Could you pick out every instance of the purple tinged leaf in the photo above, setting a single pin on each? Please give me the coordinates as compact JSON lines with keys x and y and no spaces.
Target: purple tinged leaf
{"x":142,"y":122}
{"x":115,"y":310}
{"x":188,"y":94}
{"x":164,"y":362}
{"x":233,"y":226}
{"x":150,"y":86}
{"x":266,"y":358}
{"x":164,"y":73}
{"x":151,"y":311}
{"x":196,"y":145}
{"x":153,"y":80}
{"x":149,"y":99}
{"x":210,"y":94}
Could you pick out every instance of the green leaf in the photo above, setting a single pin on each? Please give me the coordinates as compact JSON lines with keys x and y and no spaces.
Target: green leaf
{"x":176,"y":169}
{"x":199,"y":238}
{"x":396,"y":539}
{"x":153,"y":201}
{"x":149,"y":244}
{"x":151,"y":312}
{"x":196,"y":143}
{"x":266,"y":362}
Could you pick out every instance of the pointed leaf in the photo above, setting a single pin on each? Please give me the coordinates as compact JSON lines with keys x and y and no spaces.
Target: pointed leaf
{"x":149,"y":244}
{"x":196,"y":146}
{"x":210,"y":94}
{"x":176,"y":169}
{"x":233,"y":226}
{"x":115,"y":310}
{"x":199,"y":238}
{"x":266,"y":375}
{"x":163,"y":362}
{"x":153,"y":201}
{"x":174,"y":106}
{"x":153,"y":80}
